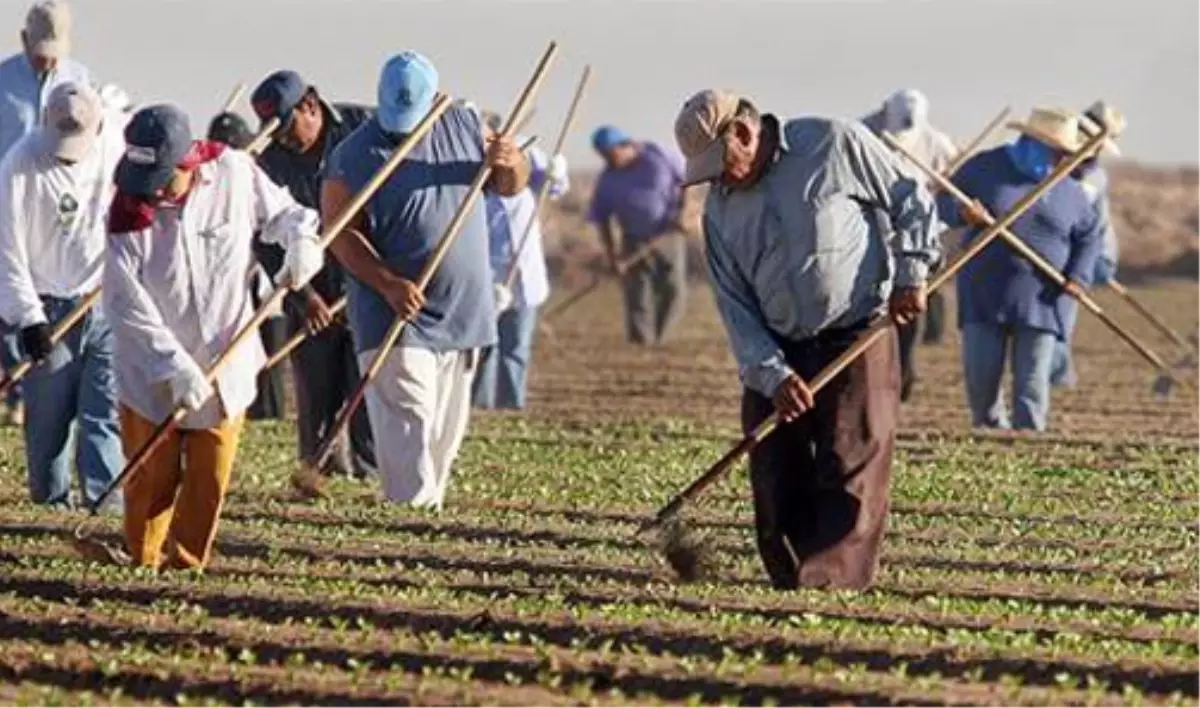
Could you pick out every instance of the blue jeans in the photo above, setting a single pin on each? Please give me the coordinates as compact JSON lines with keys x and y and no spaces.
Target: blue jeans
{"x":71,"y":407}
{"x":984,"y":349}
{"x":10,"y":356}
{"x":500,"y":380}
{"x":1062,"y":369}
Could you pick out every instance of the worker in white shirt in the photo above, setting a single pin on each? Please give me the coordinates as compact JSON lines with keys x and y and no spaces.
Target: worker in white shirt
{"x":181,"y":228}
{"x":504,"y":367}
{"x":26,"y":80}
{"x":55,"y":189}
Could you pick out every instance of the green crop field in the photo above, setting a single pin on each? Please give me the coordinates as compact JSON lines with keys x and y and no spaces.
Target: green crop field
{"x":1059,"y":568}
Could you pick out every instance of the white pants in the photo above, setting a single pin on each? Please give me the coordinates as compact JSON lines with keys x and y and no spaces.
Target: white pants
{"x":418,"y":406}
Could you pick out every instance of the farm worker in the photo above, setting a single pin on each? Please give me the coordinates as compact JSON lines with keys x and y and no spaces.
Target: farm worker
{"x":641,"y":190}
{"x":55,"y":188}
{"x":811,"y":231}
{"x":503,"y":368}
{"x":1094,"y":179}
{"x":181,"y":229}
{"x":1002,"y":300}
{"x":905,"y":116}
{"x":324,"y":368}
{"x":232,"y":130}
{"x":26,"y":80}
{"x":422,"y":395}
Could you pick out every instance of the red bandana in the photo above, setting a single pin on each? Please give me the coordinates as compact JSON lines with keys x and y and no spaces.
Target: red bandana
{"x":132,"y":213}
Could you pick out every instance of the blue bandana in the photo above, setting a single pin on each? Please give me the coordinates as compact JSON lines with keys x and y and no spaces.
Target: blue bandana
{"x":1032,"y":158}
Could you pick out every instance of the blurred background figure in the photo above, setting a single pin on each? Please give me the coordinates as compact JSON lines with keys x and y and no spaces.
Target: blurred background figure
{"x":640,"y":192}
{"x":26,"y":80}
{"x":1094,"y":179}
{"x":905,"y":116}
{"x":504,"y":368}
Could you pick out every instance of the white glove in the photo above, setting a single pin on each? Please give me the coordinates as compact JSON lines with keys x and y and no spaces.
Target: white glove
{"x":556,"y":174}
{"x":504,"y":296}
{"x":190,"y":388}
{"x":303,"y":260}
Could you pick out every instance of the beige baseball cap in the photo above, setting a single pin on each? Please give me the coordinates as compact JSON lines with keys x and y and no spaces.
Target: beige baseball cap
{"x":72,"y":120}
{"x":48,"y":29}
{"x":698,"y":130}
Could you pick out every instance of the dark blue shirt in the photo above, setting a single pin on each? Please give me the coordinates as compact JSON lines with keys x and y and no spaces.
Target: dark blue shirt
{"x":405,"y":221}
{"x":999,"y":286}
{"x":302,"y":175}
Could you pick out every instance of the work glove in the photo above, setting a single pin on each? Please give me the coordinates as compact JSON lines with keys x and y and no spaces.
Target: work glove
{"x":556,"y":173}
{"x":504,"y":297}
{"x":303,"y":260}
{"x":35,"y":341}
{"x":189,"y":387}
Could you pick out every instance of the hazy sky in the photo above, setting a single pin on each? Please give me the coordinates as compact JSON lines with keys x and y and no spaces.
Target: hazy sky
{"x":833,"y":57}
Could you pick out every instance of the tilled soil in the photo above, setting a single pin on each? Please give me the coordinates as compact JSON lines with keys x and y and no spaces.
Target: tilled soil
{"x":1031,"y":569}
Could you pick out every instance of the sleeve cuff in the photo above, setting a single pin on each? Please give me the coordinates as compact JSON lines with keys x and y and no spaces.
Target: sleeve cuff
{"x":765,"y":378}
{"x":911,"y":272}
{"x":32,"y":317}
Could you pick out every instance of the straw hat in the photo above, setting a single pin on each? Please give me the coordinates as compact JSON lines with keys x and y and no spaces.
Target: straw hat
{"x":1098,"y":114}
{"x":1056,"y":127}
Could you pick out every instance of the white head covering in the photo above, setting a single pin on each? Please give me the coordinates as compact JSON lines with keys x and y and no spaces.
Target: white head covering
{"x":904,"y":110}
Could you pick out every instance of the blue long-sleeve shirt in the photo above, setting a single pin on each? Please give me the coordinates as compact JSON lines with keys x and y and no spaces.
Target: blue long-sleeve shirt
{"x":817,"y":243}
{"x":23,"y":95}
{"x":1095,"y":185}
{"x":999,"y":286}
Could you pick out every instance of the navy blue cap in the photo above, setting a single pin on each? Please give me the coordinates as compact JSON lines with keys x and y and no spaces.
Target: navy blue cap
{"x":157,"y":139}
{"x":277,"y":96}
{"x":231,"y":129}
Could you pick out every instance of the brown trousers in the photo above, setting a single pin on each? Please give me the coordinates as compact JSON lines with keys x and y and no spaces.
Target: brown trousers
{"x":173,"y":503}
{"x":822,"y":483}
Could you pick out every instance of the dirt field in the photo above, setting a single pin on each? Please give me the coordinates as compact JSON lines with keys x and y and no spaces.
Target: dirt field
{"x":1050,"y":569}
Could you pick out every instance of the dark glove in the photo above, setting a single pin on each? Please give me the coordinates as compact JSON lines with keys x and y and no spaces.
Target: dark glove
{"x":35,"y":342}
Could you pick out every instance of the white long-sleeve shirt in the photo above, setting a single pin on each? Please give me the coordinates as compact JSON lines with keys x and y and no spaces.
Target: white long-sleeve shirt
{"x":176,"y":290}
{"x":508,"y":217}
{"x":52,"y":223}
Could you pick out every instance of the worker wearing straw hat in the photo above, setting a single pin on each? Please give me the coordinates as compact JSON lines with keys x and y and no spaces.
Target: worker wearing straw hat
{"x":503,"y":369}
{"x":55,"y":188}
{"x":641,"y":191}
{"x":422,"y":395}
{"x":325,"y":367}
{"x":181,"y":229}
{"x":1094,"y":179}
{"x":905,"y":116}
{"x":811,"y":230}
{"x":1002,"y":300}
{"x":26,"y":80}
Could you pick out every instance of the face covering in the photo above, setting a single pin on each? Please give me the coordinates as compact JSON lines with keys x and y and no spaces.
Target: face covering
{"x":1032,"y":158}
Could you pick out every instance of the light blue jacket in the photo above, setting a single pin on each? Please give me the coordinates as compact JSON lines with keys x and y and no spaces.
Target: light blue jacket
{"x":23,"y":95}
{"x":818,"y":243}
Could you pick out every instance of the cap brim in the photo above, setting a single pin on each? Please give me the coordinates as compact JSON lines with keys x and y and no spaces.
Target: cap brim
{"x":142,"y":180}
{"x":70,"y":147}
{"x":706,"y":166}
{"x":404,"y":121}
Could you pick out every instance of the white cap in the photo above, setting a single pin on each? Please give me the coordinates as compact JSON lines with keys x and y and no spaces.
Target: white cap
{"x":72,"y":120}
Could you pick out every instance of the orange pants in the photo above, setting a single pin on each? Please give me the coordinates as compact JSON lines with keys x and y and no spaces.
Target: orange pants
{"x":174,"y":500}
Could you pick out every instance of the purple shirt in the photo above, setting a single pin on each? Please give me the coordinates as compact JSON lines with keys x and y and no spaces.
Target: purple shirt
{"x":645,"y":197}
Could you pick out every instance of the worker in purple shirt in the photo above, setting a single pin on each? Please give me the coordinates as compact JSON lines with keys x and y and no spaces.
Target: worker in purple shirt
{"x":1003,"y":300}
{"x":641,"y":190}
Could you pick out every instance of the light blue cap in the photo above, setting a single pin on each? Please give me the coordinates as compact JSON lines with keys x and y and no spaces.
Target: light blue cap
{"x":407,"y":86}
{"x":607,"y":137}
